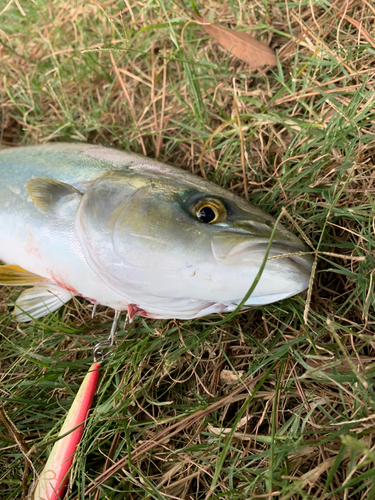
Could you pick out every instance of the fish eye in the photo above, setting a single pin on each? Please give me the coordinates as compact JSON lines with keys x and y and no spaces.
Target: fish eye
{"x":210,"y":211}
{"x":207,"y":214}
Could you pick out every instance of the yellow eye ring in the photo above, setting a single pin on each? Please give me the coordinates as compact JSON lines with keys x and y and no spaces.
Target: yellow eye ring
{"x":210,"y":211}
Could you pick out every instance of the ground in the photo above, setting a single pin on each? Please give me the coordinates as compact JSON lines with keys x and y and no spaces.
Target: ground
{"x":276,"y":402}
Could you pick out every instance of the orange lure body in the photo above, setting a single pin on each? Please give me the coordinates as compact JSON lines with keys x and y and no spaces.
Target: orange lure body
{"x":53,"y":479}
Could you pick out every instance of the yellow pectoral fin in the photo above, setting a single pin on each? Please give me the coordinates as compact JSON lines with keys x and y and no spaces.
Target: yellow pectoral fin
{"x":16,"y":276}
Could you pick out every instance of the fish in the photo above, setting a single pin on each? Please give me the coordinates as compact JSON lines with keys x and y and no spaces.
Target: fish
{"x":136,"y":235}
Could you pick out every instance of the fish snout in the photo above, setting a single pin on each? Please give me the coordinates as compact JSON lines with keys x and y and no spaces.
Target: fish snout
{"x":299,"y":255}
{"x":228,"y":247}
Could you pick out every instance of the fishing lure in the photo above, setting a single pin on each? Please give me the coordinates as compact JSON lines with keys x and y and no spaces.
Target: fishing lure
{"x":55,"y":474}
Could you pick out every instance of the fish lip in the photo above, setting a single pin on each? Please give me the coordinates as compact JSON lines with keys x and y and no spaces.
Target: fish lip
{"x":301,"y":262}
{"x":299,"y":255}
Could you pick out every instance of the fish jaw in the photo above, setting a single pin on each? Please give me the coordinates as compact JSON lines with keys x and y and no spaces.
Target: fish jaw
{"x":286,"y":273}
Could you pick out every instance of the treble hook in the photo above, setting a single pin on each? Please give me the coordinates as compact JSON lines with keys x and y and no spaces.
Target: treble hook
{"x":97,"y":352}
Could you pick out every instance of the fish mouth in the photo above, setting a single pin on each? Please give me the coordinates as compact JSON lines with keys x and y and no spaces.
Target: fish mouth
{"x":233,"y":249}
{"x":299,"y":255}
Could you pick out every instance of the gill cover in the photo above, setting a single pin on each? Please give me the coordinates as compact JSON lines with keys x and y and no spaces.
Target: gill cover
{"x":136,"y":238}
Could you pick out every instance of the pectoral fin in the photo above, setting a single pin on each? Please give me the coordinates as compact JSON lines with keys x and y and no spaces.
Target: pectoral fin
{"x":39,"y":301}
{"x":16,"y":276}
{"x":48,"y":195}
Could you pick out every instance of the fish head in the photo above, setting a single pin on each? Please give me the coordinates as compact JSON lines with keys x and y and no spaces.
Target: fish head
{"x":166,"y":238}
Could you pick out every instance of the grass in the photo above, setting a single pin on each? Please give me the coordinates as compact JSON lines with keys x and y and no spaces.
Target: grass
{"x":277,"y":402}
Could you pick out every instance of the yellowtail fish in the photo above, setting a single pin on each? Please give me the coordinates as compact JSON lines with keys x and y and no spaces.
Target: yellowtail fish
{"x":134,"y":234}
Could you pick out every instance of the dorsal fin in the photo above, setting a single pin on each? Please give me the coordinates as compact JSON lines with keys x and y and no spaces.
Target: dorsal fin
{"x":16,"y":276}
{"x":48,"y":194}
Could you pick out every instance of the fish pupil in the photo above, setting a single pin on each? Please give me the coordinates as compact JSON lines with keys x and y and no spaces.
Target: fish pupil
{"x":206,"y":214}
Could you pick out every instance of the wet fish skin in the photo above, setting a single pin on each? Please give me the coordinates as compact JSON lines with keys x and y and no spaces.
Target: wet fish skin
{"x":123,"y":230}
